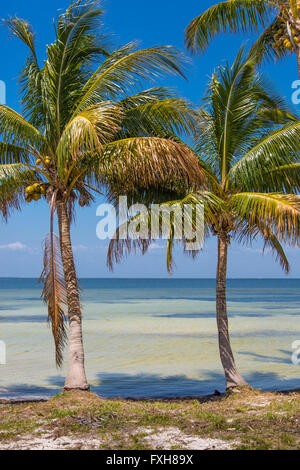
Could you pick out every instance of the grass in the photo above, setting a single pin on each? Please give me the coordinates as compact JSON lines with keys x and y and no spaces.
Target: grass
{"x":249,"y":420}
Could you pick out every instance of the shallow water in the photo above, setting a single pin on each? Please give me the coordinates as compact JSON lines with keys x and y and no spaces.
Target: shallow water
{"x":153,"y":338}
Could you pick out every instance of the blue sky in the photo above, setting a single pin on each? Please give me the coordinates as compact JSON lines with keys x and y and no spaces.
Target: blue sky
{"x":152,"y":22}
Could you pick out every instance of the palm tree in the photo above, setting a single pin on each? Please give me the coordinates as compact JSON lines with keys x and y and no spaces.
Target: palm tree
{"x":279,"y":18}
{"x":248,"y":146}
{"x":87,"y":126}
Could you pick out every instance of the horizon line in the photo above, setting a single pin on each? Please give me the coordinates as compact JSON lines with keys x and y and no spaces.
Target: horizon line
{"x":165,"y":278}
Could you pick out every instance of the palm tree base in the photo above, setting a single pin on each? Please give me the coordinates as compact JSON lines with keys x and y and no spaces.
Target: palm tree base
{"x":78,"y":389}
{"x":238,"y":389}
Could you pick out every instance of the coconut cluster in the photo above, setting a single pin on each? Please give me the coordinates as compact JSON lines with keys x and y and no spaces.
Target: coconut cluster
{"x":34,"y":192}
{"x":37,"y":190}
{"x":47,"y":161}
{"x":282,"y":39}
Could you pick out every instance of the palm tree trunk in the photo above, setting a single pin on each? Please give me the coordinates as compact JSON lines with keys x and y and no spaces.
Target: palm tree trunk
{"x":233,"y":377}
{"x":76,"y":377}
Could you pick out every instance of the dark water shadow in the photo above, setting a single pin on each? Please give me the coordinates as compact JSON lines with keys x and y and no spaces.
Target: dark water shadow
{"x":28,"y":299}
{"x":9,"y":307}
{"x":23,"y":319}
{"x":263,"y":358}
{"x":156,"y":386}
{"x":25,"y":391}
{"x":211,"y":315}
{"x":119,"y":385}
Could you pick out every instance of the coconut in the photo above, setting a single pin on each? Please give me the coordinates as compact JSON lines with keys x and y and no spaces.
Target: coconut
{"x":38,"y":162}
{"x":287,"y":44}
{"x":30,"y":190}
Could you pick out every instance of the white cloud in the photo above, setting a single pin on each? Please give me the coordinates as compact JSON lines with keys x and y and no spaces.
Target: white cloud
{"x":80,"y":248}
{"x":16,"y":246}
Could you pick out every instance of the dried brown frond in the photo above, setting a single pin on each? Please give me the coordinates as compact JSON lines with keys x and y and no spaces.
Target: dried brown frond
{"x":143,"y":162}
{"x":54,"y":293}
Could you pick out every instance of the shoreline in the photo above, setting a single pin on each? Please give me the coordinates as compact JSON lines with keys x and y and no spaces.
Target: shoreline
{"x":178,"y":399}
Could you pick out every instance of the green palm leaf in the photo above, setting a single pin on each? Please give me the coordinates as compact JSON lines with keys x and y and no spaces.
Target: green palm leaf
{"x":168,"y":116}
{"x":280,"y":212}
{"x":273,"y":243}
{"x":232,"y":15}
{"x":88,"y":131}
{"x":13,"y":179}
{"x":10,"y":153}
{"x":124,"y":70}
{"x":15,"y":129}
{"x":277,"y":149}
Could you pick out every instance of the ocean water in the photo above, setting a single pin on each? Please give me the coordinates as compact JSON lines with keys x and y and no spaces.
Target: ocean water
{"x":153,"y":337}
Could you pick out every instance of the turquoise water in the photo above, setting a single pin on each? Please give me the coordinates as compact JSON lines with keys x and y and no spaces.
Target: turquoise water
{"x":151,"y":338}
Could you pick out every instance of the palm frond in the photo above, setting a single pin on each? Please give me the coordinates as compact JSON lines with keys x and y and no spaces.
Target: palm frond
{"x":164,"y":117}
{"x":152,"y":225}
{"x":279,"y":212}
{"x":88,"y":131}
{"x":246,"y":232}
{"x":279,"y":148}
{"x":15,"y":129}
{"x":140,"y":162}
{"x":125,"y":69}
{"x":54,"y":294}
{"x":263,"y":48}
{"x":24,"y":31}
{"x":285,"y":178}
{"x":151,"y":95}
{"x":31,"y":77}
{"x":271,"y":242}
{"x":76,"y":44}
{"x":10,"y":153}
{"x":228,"y":16}
{"x":14,"y":177}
